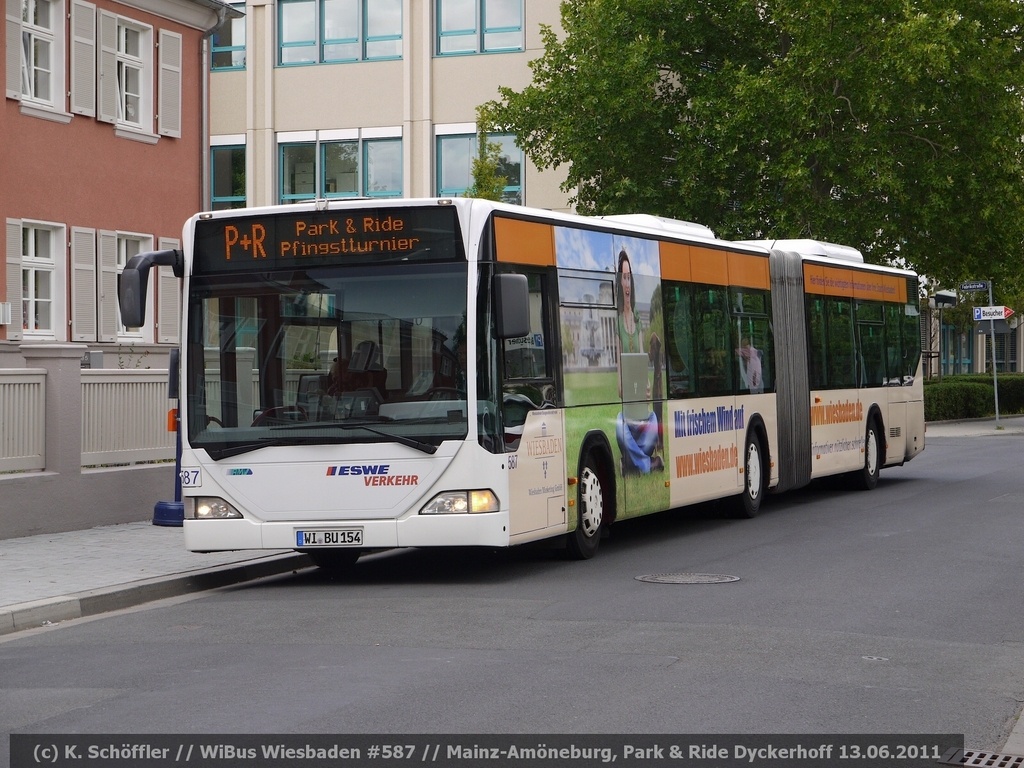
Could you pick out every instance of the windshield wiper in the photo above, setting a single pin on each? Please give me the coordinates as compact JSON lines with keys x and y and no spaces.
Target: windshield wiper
{"x":235,"y":450}
{"x":409,"y":442}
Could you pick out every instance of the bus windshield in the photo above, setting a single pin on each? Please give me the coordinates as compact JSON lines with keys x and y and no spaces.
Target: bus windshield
{"x":327,"y":355}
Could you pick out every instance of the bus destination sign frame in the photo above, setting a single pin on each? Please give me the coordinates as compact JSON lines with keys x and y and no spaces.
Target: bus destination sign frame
{"x":301,"y":239}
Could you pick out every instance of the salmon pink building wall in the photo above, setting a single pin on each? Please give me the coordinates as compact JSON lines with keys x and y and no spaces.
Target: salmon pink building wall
{"x":76,"y":171}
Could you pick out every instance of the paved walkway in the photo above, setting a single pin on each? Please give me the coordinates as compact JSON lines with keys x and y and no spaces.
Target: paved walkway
{"x":54,"y":577}
{"x":58,"y":576}
{"x":1006,"y":425}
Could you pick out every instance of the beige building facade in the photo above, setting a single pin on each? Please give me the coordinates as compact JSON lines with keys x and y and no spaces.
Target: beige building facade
{"x":367,"y":98}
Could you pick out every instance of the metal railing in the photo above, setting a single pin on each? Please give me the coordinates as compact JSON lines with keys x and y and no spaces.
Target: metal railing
{"x":22,"y":432}
{"x":123,"y":419}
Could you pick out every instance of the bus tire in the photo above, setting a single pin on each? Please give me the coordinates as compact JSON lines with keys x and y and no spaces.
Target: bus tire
{"x":754,"y":480}
{"x":866,"y":478}
{"x":334,"y":561}
{"x":581,"y":544}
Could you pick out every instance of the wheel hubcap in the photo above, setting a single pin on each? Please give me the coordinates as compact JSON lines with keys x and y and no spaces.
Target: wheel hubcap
{"x":871,"y":451}
{"x":593,"y":503}
{"x":753,"y":471}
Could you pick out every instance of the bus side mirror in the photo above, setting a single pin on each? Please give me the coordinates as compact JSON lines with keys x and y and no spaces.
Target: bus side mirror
{"x":131,"y":285}
{"x":131,"y":296}
{"x":511,"y":306}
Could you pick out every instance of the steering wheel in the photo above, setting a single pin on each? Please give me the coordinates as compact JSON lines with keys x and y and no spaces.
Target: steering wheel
{"x":281,"y":413}
{"x":444,"y":393}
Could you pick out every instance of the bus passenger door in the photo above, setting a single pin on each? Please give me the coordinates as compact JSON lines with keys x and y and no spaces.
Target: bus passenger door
{"x":533,"y":423}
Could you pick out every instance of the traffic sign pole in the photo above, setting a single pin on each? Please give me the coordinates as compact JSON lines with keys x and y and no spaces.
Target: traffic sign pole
{"x":992,"y":337}
{"x":990,"y":313}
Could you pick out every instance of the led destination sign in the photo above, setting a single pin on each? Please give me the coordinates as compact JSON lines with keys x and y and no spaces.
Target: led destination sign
{"x":312,"y":238}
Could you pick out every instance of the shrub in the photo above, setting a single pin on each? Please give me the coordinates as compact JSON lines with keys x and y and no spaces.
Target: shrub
{"x":958,"y":400}
{"x":1011,"y":393}
{"x":960,"y":396}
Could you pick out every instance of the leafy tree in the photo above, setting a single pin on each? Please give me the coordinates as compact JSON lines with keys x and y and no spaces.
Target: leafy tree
{"x":488,"y":182}
{"x":892,"y":125}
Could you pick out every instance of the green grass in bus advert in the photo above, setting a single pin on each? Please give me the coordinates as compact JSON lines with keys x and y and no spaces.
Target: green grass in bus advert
{"x":637,"y":493}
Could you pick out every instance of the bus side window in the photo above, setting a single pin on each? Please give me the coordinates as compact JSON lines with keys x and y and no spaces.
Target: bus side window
{"x":816,"y":342}
{"x":871,"y":362}
{"x":911,"y":338}
{"x":678,"y":301}
{"x":870,"y":344}
{"x":752,"y":321}
{"x":714,"y":341}
{"x":526,"y":357}
{"x":840,"y":351}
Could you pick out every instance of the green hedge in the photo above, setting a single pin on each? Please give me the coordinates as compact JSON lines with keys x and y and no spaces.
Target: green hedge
{"x":969,"y":396}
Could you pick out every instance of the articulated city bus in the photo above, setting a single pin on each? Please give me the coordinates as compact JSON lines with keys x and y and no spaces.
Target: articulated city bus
{"x":358,"y":375}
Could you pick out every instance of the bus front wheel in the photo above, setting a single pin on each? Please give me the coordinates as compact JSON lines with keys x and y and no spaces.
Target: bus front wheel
{"x":582,"y":543}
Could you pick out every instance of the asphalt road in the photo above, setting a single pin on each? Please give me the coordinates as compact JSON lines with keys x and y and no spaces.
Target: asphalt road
{"x":895,"y":610}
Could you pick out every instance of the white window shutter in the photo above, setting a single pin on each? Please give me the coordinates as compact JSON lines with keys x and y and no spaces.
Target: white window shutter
{"x":169,"y":297}
{"x":14,"y":330}
{"x":13,"y":49}
{"x":83,"y":58}
{"x":83,"y":284}
{"x":169,"y":116}
{"x":109,"y":92}
{"x":109,"y":312}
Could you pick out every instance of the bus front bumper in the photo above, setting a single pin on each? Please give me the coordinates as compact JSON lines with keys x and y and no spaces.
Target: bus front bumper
{"x":488,"y":529}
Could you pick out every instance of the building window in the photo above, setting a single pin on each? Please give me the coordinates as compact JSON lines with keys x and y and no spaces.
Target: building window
{"x":479,"y":26}
{"x":131,"y":69}
{"x":126,"y":77}
{"x":335,"y":31}
{"x":329,"y":168}
{"x":37,"y":42}
{"x":39,"y":80}
{"x":228,"y":48}
{"x":39,"y":248}
{"x":227,"y":172}
{"x":455,"y":155}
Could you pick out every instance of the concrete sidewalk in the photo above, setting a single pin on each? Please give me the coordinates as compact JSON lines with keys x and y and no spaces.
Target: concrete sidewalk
{"x":990,"y":427}
{"x":59,"y":576}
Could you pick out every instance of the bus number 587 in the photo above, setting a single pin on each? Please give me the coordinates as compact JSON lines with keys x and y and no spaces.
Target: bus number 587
{"x":190,"y":478}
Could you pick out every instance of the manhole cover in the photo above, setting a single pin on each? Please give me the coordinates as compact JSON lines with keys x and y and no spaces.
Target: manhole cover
{"x":687,"y":578}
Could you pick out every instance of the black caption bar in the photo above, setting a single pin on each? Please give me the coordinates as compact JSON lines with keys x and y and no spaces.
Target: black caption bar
{"x":489,"y":750}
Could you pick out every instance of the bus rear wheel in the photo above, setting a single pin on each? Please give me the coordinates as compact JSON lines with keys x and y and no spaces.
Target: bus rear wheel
{"x":753,"y":479}
{"x":333,"y":561}
{"x":866,"y":478}
{"x":582,"y":543}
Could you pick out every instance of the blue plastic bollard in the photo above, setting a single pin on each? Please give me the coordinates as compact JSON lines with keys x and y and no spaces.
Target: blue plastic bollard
{"x":172,"y":513}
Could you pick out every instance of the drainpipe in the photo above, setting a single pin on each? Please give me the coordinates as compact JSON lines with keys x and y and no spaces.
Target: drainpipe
{"x":204,"y":119}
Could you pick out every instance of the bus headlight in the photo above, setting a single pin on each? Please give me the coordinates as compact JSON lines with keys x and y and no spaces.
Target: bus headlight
{"x":210,"y":508}
{"x":461,"y":502}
